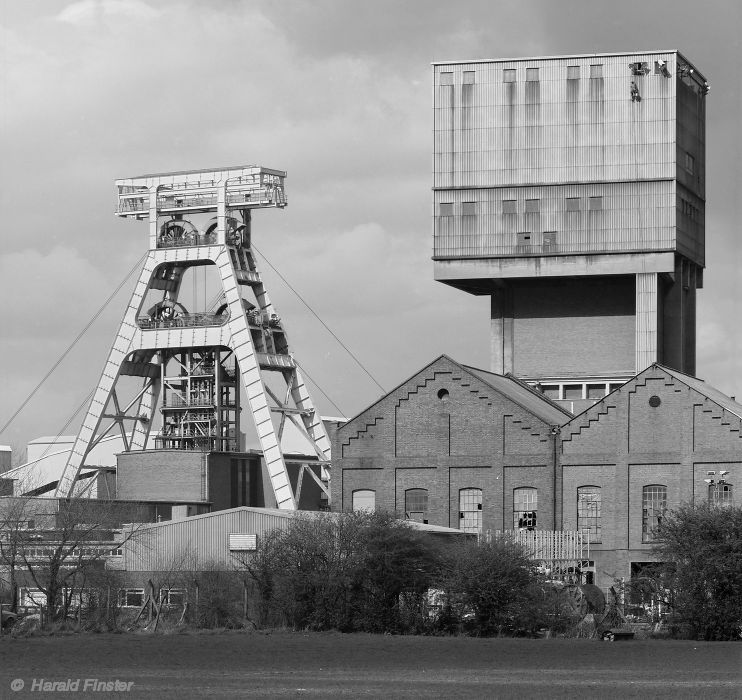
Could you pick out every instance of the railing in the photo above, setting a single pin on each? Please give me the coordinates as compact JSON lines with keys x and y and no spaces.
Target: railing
{"x":178,"y":402}
{"x":188,"y":241}
{"x":197,"y":444}
{"x":266,"y":359}
{"x":550,"y":545}
{"x":182,"y":321}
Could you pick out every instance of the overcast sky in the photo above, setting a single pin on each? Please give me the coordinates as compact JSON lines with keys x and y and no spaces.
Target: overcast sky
{"x":337,"y":93}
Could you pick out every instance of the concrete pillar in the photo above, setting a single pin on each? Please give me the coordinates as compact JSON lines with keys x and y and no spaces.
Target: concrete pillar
{"x":501,"y":331}
{"x":646,"y":320}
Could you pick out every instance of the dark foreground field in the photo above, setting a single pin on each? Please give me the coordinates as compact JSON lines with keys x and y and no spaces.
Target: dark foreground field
{"x":286,"y":665}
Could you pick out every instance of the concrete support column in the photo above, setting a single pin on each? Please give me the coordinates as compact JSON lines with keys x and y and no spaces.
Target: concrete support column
{"x":501,"y":331}
{"x":646,"y":320}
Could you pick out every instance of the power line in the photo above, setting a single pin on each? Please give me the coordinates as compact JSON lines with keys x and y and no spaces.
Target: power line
{"x":74,"y":342}
{"x":321,"y":391}
{"x":314,"y":313}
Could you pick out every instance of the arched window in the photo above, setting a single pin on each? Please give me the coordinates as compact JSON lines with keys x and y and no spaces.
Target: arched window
{"x":654,"y":506}
{"x":470,"y":510}
{"x":364,"y":499}
{"x":525,"y":508}
{"x":416,"y":505}
{"x":588,"y":510}
{"x":721,"y":494}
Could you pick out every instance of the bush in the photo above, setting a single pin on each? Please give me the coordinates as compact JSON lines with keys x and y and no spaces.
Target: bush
{"x":354,"y":571}
{"x":490,"y":588}
{"x":701,"y":547}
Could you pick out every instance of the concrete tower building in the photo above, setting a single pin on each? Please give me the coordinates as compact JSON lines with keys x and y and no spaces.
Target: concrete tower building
{"x":571,"y":191}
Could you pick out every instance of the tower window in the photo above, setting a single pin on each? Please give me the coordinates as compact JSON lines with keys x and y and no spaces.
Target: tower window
{"x":596,"y":70}
{"x":509,"y":206}
{"x":469,"y":208}
{"x":573,"y":72}
{"x":595,"y":391}
{"x":689,"y":163}
{"x":572,"y":392}
{"x":468,"y":77}
{"x":573,"y":204}
{"x":533,"y":206}
{"x":445,"y":209}
{"x":525,"y":508}
{"x":551,"y":391}
{"x":416,"y":505}
{"x":508,"y":75}
{"x":550,"y":240}
{"x":446,"y":78}
{"x":531,"y":75}
{"x":596,"y":203}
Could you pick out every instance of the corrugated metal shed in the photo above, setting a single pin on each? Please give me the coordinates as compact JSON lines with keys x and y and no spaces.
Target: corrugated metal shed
{"x":202,"y":541}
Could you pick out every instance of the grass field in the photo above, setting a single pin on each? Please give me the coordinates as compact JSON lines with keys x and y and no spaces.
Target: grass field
{"x":320,"y":665}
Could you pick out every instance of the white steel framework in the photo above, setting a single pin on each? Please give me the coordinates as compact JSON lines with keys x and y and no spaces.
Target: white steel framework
{"x":200,"y":218}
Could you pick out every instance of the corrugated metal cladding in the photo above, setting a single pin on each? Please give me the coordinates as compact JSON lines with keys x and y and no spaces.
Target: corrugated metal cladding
{"x":592,"y":218}
{"x":193,"y":543}
{"x":545,"y":129}
{"x":554,"y":130}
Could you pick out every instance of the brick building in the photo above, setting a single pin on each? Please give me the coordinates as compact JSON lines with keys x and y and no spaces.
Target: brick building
{"x":453,"y":446}
{"x":661,"y":440}
{"x":460,"y":447}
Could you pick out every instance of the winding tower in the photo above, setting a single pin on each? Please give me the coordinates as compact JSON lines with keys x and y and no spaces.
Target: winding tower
{"x":571,"y":191}
{"x":191,"y":358}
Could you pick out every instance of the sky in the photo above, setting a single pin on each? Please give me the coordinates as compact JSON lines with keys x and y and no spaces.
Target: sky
{"x":338,"y":94}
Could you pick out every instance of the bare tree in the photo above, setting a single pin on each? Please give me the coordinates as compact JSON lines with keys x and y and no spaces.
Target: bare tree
{"x":68,"y":549}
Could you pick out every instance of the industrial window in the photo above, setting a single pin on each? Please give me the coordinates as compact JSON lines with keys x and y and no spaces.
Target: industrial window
{"x":721,"y":494}
{"x":469,"y":208}
{"x":468,"y":77}
{"x":242,"y":542}
{"x":573,"y":204}
{"x":588,"y":511}
{"x":654,"y":506}
{"x":446,"y":78}
{"x":596,"y":70}
{"x":524,"y":239}
{"x":550,"y":240}
{"x":573,"y":72}
{"x":416,"y":505}
{"x":445,"y":209}
{"x":525,"y":508}
{"x":364,"y":499}
{"x":509,"y":206}
{"x":531,"y":75}
{"x":470,"y":510}
{"x":689,"y":163}
{"x":551,"y":391}
{"x":131,"y":597}
{"x":508,"y":75}
{"x":572,"y":392}
{"x":533,"y":205}
{"x":613,"y":387}
{"x":596,"y":203}
{"x":172,"y":596}
{"x":595,"y":391}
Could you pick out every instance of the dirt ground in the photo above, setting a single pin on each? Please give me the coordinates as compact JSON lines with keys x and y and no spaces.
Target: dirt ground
{"x":282,"y":664}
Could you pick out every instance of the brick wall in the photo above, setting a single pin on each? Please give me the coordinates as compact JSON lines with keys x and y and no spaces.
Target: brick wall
{"x":444,"y":430}
{"x":161,"y":475}
{"x":587,"y":325}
